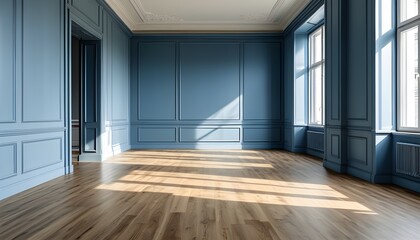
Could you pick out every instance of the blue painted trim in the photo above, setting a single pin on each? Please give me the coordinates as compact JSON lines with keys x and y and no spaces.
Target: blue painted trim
{"x":115,"y":17}
{"x":414,"y":186}
{"x":315,"y":153}
{"x":226,"y":145}
{"x":367,"y":176}
{"x":310,"y":9}
{"x":336,"y":167}
{"x":382,"y":179}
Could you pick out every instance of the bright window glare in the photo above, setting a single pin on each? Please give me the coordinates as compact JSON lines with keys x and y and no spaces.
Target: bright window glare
{"x":409,"y":78}
{"x":408,"y":9}
{"x":316,"y":77}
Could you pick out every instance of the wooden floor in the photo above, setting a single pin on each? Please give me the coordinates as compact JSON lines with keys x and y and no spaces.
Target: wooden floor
{"x":228,"y":194}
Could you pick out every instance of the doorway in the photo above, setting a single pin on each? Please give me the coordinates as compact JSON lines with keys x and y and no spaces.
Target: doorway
{"x":85,"y":75}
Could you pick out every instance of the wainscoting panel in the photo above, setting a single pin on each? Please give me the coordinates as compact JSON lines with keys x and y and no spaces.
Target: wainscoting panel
{"x":90,"y":140}
{"x":335,"y":145}
{"x":42,"y":61}
{"x":209,"y":134}
{"x":359,"y":150}
{"x":209,"y":81}
{"x":157,"y":81}
{"x":262,"y":134}
{"x":7,"y":62}
{"x":8,"y":160}
{"x":157,"y":134}
{"x":41,"y":153}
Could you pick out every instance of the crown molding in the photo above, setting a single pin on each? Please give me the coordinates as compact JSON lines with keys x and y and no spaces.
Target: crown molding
{"x":138,"y":19}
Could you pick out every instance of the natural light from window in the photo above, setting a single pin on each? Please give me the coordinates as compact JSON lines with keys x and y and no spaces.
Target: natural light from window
{"x":316,"y":77}
{"x":408,"y":9}
{"x":408,"y":82}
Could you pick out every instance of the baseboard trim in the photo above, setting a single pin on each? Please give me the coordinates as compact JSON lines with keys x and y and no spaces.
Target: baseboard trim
{"x":367,"y":176}
{"x":26,"y":184}
{"x":406,"y":183}
{"x":208,"y":146}
{"x":336,"y":167}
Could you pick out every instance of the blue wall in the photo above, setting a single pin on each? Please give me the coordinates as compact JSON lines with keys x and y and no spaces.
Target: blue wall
{"x":96,"y":18}
{"x":360,"y":131}
{"x":206,"y":91}
{"x":298,"y":136}
{"x":34,"y":99}
{"x":32,"y":117}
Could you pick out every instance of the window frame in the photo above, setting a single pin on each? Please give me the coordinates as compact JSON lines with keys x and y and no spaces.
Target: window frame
{"x":401,"y":27}
{"x":312,"y":65}
{"x":409,"y":20}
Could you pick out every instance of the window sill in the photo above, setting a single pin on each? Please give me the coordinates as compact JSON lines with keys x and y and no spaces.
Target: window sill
{"x":315,"y":128}
{"x":402,"y":133}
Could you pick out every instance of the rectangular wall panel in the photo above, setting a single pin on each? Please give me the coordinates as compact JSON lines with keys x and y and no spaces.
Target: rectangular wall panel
{"x":210,"y":81}
{"x":7,"y":62}
{"x":8,"y":160}
{"x":42,"y":60}
{"x":120,"y":74}
{"x":90,"y":140}
{"x":262,"y":135}
{"x":209,"y":134}
{"x":357,"y":84}
{"x":335,"y":145}
{"x":359,"y":150}
{"x":262,"y":90}
{"x":157,"y":135}
{"x":156,"y":83}
{"x":41,"y":153}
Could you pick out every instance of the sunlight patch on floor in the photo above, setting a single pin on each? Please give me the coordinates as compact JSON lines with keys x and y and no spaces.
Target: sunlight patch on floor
{"x":191,"y":163}
{"x":247,"y":197}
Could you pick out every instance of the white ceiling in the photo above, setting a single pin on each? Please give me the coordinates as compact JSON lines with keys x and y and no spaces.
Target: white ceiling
{"x":207,"y":15}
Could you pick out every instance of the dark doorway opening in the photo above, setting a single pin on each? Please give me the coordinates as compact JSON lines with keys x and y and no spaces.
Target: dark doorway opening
{"x":85,"y":75}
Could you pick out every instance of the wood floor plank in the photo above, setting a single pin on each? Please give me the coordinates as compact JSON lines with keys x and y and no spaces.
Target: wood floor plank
{"x":210,"y":194}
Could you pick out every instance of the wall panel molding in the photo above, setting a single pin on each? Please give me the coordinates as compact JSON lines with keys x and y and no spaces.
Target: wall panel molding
{"x":8,"y":62}
{"x":154,"y":134}
{"x":8,"y":160}
{"x":262,"y":134}
{"x":359,"y":150}
{"x":41,"y":82}
{"x":157,"y":85}
{"x":205,"y":69}
{"x":206,"y":91}
{"x":36,"y":156}
{"x":209,"y":134}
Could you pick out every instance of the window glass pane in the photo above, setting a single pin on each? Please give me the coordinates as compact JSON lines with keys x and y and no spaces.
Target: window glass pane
{"x":318,"y":47}
{"x":409,"y":78}
{"x":316,"y":96}
{"x":408,"y":9}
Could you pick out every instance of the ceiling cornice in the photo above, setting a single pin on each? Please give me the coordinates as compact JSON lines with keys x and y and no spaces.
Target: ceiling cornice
{"x":138,"y":19}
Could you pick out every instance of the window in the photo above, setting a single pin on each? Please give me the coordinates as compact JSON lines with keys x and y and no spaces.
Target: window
{"x":316,"y":77}
{"x":408,"y":66}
